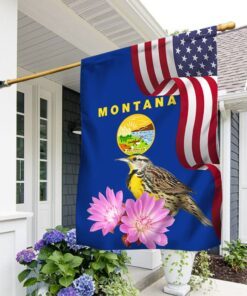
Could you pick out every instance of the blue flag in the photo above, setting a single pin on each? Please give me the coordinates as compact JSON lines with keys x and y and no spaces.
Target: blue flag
{"x":149,"y":174}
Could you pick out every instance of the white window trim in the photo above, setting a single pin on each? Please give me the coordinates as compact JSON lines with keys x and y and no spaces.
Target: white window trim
{"x":56,"y":154}
{"x":225,"y":164}
{"x":242,"y":177}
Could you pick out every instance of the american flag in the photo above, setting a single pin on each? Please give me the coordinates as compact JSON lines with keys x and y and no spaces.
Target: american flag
{"x":186,"y":65}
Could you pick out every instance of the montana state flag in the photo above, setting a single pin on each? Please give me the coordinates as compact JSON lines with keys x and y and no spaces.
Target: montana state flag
{"x":149,"y":175}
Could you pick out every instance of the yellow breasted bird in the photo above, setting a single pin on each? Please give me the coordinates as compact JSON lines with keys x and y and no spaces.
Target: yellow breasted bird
{"x":144,"y":176}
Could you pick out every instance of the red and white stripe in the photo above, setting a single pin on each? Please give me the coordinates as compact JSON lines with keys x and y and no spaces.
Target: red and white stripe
{"x":197,"y":146}
{"x":152,"y":67}
{"x":197,"y":132}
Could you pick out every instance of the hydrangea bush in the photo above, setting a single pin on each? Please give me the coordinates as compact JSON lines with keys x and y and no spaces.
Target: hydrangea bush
{"x":68,"y":269}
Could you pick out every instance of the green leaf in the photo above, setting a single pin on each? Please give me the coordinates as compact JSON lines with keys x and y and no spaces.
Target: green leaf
{"x":73,"y":261}
{"x":89,"y":272}
{"x":54,"y":289}
{"x":98,"y":265}
{"x":30,"y":282}
{"x":68,"y":257}
{"x":62,"y":229}
{"x":65,"y":281}
{"x":34,"y":293}
{"x":49,"y":268}
{"x":33,"y":264}
{"x":23,"y":275}
{"x":56,"y":256}
{"x":110,"y":268}
{"x":111,"y":256}
{"x":66,"y":269}
{"x":44,"y":253}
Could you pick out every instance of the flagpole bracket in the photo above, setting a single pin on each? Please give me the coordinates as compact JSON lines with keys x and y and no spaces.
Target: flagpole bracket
{"x":3,"y":83}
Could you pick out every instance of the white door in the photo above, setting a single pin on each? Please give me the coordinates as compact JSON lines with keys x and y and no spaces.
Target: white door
{"x":36,"y":164}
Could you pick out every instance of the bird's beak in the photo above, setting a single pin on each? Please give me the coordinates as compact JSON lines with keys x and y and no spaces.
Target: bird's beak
{"x":123,"y":159}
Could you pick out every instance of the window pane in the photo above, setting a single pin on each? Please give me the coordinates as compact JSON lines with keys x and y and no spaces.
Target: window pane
{"x":20,"y":102}
{"x":43,"y":129}
{"x":43,"y":108}
{"x":20,"y":170}
{"x":20,"y":148}
{"x":42,"y":191}
{"x":20,"y":125}
{"x":43,"y":170}
{"x":43,"y":150}
{"x":20,"y":193}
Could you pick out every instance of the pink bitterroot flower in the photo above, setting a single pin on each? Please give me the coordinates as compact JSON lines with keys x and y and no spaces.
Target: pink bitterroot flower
{"x":107,"y":211}
{"x":146,"y":221}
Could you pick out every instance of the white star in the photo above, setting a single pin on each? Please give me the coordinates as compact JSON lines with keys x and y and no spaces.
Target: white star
{"x":178,"y":50}
{"x":210,"y":30}
{"x":210,"y":73}
{"x":199,"y":73}
{"x":205,"y":57}
{"x":204,"y":39}
{"x":180,"y":67}
{"x":198,"y":32}
{"x":195,"y":58}
{"x":184,"y":58}
{"x":214,"y":38}
{"x":199,"y":49}
{"x":187,"y":73}
{"x":213,"y":65}
{"x":202,"y":65}
{"x":188,"y":33}
{"x":193,"y":40}
{"x":191,"y":66}
{"x":182,"y":41}
{"x":210,"y":48}
{"x":188,"y":49}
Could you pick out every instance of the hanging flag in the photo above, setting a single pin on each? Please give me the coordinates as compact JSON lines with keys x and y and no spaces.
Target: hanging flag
{"x":149,"y":175}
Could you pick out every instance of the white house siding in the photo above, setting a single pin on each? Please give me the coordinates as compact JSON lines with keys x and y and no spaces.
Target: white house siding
{"x":234,"y":175}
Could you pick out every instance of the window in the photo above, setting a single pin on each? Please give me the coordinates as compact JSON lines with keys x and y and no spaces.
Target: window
{"x":20,"y":133}
{"x":43,"y":125}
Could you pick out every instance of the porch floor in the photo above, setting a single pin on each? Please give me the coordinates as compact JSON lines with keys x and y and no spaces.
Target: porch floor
{"x":218,"y":288}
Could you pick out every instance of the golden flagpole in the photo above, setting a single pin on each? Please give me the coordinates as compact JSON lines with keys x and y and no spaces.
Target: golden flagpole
{"x":8,"y":82}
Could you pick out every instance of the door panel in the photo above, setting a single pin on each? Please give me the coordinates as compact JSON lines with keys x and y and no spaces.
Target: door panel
{"x":24,"y":158}
{"x":44,"y":196}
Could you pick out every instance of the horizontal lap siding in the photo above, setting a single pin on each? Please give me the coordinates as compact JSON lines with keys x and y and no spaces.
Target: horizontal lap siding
{"x":71,"y":155}
{"x":234,"y":175}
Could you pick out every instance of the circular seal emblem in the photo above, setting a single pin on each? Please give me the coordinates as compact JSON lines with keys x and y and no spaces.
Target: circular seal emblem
{"x":135,"y":134}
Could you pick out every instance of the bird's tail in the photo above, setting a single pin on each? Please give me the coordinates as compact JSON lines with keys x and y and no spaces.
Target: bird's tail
{"x":188,"y":204}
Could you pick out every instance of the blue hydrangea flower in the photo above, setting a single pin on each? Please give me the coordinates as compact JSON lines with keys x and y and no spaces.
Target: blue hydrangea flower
{"x":39,"y":245}
{"x":70,"y":239}
{"x":25,"y":256}
{"x":84,"y":285}
{"x":70,"y":291}
{"x":53,"y":236}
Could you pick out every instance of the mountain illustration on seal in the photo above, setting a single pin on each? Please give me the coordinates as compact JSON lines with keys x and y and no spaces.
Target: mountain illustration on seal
{"x":135,"y":134}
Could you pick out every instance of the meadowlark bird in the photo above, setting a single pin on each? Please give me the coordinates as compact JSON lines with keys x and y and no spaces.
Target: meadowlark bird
{"x":144,"y":176}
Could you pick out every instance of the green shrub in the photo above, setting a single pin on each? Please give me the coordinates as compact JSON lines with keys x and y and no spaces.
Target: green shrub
{"x":236,"y":255}
{"x":117,"y":286}
{"x":202,"y":272}
{"x":57,"y":262}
